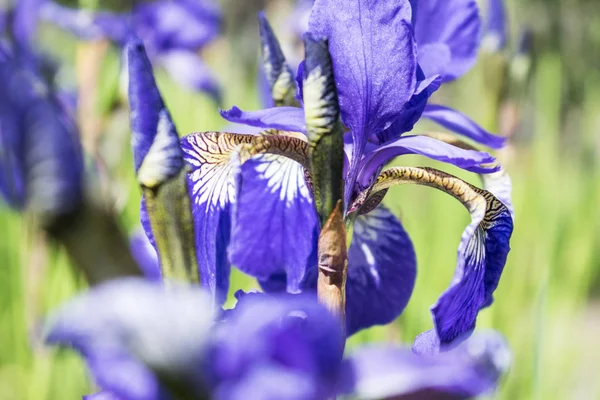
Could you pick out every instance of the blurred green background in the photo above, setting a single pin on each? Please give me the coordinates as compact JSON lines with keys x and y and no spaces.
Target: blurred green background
{"x":547,"y":101}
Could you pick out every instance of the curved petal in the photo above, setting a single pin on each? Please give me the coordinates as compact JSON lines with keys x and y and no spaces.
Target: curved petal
{"x":375,"y":75}
{"x":275,"y":225}
{"x":188,"y":70}
{"x":381,"y":271}
{"x":451,"y":26}
{"x":283,"y":118}
{"x":145,"y":255}
{"x":385,"y":371}
{"x":171,"y":25}
{"x":494,"y":37}
{"x":426,"y":146}
{"x":211,"y":186}
{"x":463,"y":125}
{"x":482,"y":252}
{"x":497,"y":183}
{"x":412,"y":110}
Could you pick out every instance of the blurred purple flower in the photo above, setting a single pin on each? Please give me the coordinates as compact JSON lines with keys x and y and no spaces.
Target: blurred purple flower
{"x":141,"y":341}
{"x":41,"y":164}
{"x":495,"y":32}
{"x":172,"y":31}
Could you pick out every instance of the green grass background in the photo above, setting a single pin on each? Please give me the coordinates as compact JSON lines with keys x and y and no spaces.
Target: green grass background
{"x":545,"y":304}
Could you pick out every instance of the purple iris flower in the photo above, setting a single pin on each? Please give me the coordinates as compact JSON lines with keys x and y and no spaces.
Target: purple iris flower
{"x":172,"y":31}
{"x":40,"y":158}
{"x":143,"y":341}
{"x":383,"y":89}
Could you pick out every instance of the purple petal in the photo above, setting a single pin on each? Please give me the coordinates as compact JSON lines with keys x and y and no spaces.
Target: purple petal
{"x":41,"y":162}
{"x":292,"y":334}
{"x":12,"y":163}
{"x":211,"y":187}
{"x":463,"y":125}
{"x":276,"y":225}
{"x":154,"y":139}
{"x":447,"y":26}
{"x":122,"y":374}
{"x":384,"y":371}
{"x":128,"y":327}
{"x":482,"y":254}
{"x":494,"y":37}
{"x":145,"y":255}
{"x":429,"y":147}
{"x":25,"y":22}
{"x":381,"y":271}
{"x":412,"y":110}
{"x":182,"y":24}
{"x":282,"y":118}
{"x":300,"y":16}
{"x":85,"y":24}
{"x":259,"y":384}
{"x":374,"y":61}
{"x":188,"y":70}
{"x":103,"y":395}
{"x":499,"y":184}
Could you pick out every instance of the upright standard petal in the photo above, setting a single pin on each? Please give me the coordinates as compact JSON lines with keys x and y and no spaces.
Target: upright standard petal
{"x":374,"y":62}
{"x":463,"y":125}
{"x":472,"y":369}
{"x":275,"y":225}
{"x":381,"y":271}
{"x":448,"y":35}
{"x":412,"y":110}
{"x":482,"y":251}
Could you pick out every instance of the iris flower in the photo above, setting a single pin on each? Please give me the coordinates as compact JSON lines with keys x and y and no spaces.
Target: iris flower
{"x":144,"y":342}
{"x":173,"y":33}
{"x":40,"y":159}
{"x":261,"y":216}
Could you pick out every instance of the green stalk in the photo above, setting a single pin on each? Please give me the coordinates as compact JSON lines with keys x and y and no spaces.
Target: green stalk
{"x":170,"y":214}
